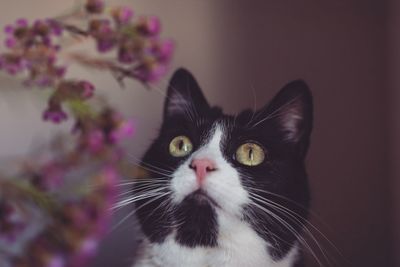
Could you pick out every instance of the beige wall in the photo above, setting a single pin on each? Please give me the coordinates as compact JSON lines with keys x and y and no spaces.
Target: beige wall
{"x":338,"y":47}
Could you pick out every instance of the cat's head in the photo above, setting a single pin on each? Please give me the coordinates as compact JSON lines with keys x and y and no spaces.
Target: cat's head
{"x":205,"y":163}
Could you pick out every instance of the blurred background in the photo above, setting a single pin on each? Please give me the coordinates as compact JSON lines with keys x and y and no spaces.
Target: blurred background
{"x":348,"y":51}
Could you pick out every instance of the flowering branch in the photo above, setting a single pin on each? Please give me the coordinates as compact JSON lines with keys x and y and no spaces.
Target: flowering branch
{"x":35,"y":50}
{"x":51,"y":214}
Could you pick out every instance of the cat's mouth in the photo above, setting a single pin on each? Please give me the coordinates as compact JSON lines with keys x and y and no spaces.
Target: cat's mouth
{"x":200,"y":197}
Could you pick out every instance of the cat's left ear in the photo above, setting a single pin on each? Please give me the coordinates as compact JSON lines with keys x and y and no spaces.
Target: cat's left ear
{"x":184,"y":95}
{"x":291,"y":112}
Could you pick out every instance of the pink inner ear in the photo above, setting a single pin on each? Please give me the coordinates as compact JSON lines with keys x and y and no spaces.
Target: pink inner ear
{"x":177,"y":103}
{"x":291,"y":118}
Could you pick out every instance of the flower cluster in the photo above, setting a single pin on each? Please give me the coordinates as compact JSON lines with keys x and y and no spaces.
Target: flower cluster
{"x":67,"y":91}
{"x":35,"y":51}
{"x":72,"y":193}
{"x":112,"y":130}
{"x":141,"y":53}
{"x":72,"y":237}
{"x":94,"y":6}
{"x":78,"y":218}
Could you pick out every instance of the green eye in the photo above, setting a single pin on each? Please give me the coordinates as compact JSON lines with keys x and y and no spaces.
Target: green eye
{"x":180,"y":146}
{"x":250,"y":154}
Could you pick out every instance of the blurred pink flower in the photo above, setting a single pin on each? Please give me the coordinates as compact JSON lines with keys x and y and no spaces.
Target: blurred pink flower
{"x":122,"y":15}
{"x":164,"y":50}
{"x":150,"y":26}
{"x":151,"y":72}
{"x":54,"y":113}
{"x":124,"y":130}
{"x":95,"y":141}
{"x":87,"y":89}
{"x":10,"y":42}
{"x":56,"y":261}
{"x":52,"y":176}
{"x":94,"y":6}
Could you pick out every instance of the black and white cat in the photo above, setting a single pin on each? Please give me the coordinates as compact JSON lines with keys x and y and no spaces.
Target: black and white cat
{"x":225,"y":191}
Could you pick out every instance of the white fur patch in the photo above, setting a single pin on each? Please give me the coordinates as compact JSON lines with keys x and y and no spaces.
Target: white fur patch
{"x":238,"y":244}
{"x":223,"y":185}
{"x":240,"y":247}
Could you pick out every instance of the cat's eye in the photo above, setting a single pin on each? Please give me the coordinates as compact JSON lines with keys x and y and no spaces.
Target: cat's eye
{"x":180,"y":146}
{"x":250,"y":154}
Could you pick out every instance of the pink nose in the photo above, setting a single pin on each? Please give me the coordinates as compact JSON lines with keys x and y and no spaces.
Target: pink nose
{"x":202,"y":167}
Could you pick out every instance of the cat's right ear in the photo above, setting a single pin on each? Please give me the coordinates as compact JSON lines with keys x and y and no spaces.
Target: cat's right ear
{"x":184,"y":95}
{"x":291,"y":114}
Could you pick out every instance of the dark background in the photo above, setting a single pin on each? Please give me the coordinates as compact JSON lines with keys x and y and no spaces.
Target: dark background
{"x":348,"y":52}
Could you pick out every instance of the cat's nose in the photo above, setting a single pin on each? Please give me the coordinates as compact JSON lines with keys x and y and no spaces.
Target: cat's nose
{"x":202,"y":167}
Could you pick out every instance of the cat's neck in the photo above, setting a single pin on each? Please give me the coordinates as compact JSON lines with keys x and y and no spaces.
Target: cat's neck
{"x":238,"y":246}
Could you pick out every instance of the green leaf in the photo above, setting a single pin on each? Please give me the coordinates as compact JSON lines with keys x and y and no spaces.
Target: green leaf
{"x":80,"y":109}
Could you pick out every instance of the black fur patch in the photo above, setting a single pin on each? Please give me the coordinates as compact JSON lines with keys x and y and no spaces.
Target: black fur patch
{"x":197,"y":221}
{"x":156,"y":223}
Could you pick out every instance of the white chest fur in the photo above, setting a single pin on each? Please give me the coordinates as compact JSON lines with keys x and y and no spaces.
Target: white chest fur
{"x":238,"y":246}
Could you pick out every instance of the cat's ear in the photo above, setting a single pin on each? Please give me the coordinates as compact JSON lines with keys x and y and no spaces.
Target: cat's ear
{"x":291,"y":112}
{"x":184,"y":95}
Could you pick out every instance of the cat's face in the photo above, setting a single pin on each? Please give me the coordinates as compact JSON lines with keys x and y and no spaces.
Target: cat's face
{"x":249,"y":167}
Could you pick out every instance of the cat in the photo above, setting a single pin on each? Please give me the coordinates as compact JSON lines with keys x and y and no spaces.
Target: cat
{"x":225,"y":190}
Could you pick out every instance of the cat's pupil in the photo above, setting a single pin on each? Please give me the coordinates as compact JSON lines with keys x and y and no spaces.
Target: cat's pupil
{"x":251,"y":154}
{"x":181,"y":145}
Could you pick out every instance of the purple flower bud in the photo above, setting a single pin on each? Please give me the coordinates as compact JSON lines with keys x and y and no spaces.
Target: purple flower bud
{"x":25,"y":63}
{"x":87,"y":89}
{"x":60,"y":71}
{"x":95,"y":141}
{"x":150,"y":26}
{"x":105,"y":44}
{"x":9,"y":29}
{"x":56,"y":27}
{"x":125,"y":56}
{"x":94,"y":6}
{"x":125,"y":130}
{"x":153,"y":25}
{"x":41,"y":28}
{"x":54,"y":113}
{"x":12,"y":64}
{"x":44,"y":81}
{"x":12,"y":69}
{"x":165,"y":50}
{"x":23,"y":23}
{"x":56,"y":261}
{"x":52,"y":177}
{"x":51,"y":60}
{"x":156,"y":72}
{"x":122,"y":15}
{"x":150,"y":72}
{"x":46,"y":40}
{"x":89,"y":247}
{"x":97,"y":25}
{"x":10,"y":42}
{"x":104,"y":34}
